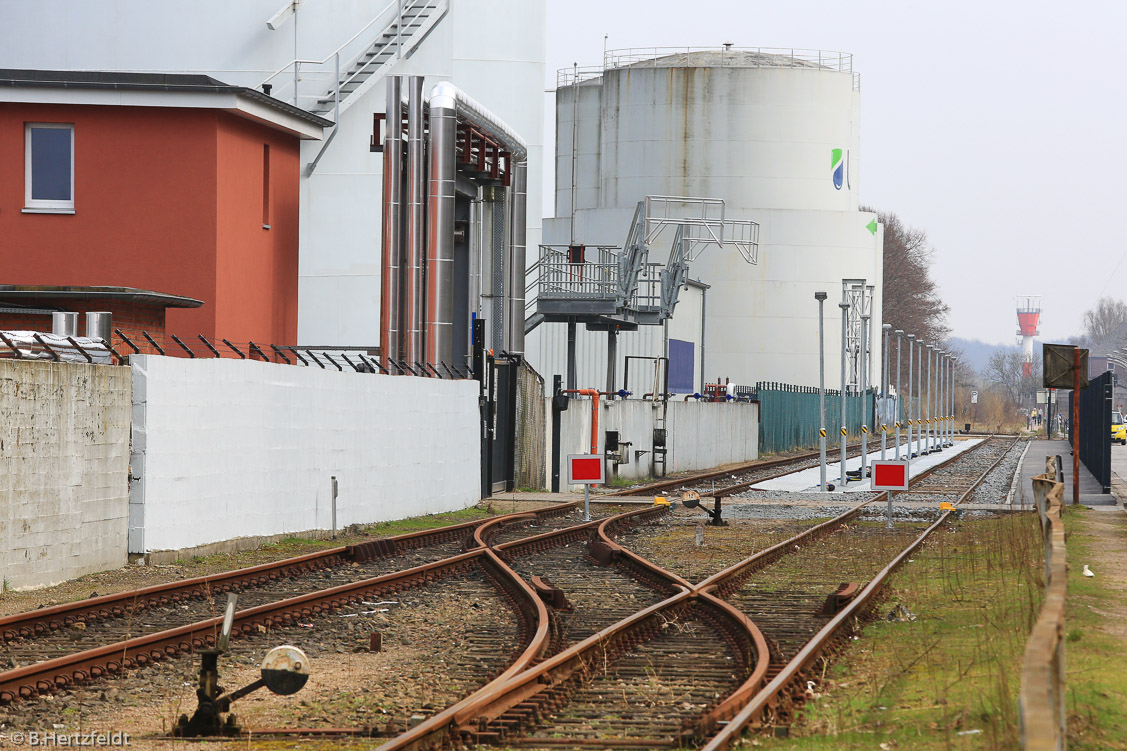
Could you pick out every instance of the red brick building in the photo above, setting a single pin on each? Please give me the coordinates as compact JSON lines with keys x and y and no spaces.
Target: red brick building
{"x":164,"y":190}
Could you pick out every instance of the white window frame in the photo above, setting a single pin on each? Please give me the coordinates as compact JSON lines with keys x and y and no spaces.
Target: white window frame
{"x":41,"y":205}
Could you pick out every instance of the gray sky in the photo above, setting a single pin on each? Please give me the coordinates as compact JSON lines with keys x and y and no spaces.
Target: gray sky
{"x":994,"y":126}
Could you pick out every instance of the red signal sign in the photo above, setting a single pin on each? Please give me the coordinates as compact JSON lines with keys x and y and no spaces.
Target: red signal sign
{"x":890,"y":475}
{"x":585,"y":469}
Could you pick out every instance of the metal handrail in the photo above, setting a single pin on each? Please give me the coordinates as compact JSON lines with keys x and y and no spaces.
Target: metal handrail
{"x":737,"y":57}
{"x":729,"y":57}
{"x":334,"y":53}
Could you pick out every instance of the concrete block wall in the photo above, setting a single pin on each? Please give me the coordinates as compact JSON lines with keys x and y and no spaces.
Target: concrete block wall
{"x":233,"y":448}
{"x":700,"y":435}
{"x":64,"y":470}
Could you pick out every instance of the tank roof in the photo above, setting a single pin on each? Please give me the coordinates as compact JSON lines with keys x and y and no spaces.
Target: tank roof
{"x":723,"y":57}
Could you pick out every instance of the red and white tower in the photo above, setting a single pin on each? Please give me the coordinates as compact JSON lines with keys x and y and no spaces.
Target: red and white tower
{"x":1028,"y":316}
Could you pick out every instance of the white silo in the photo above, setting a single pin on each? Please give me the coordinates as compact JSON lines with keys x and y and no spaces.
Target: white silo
{"x":776,"y":135}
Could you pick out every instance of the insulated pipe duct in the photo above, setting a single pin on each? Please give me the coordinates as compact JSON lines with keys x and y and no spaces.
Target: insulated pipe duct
{"x":440,"y":235}
{"x":392,"y":245}
{"x":516,"y":259}
{"x":414,"y":305}
{"x":447,"y":103}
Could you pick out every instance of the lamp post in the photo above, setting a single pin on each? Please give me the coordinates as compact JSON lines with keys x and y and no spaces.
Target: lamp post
{"x":821,"y":298}
{"x":864,"y":391}
{"x":844,"y":305}
{"x":927,"y":435}
{"x":896,"y":417}
{"x":908,"y":408}
{"x":884,"y":391}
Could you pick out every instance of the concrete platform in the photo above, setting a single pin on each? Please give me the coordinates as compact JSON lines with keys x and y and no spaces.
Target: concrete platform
{"x":808,"y":479}
{"x":1091,"y":493}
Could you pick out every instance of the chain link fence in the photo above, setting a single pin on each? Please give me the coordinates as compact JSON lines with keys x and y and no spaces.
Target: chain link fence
{"x":529,"y":444}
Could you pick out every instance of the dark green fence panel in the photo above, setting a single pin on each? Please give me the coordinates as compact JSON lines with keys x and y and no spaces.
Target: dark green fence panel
{"x":788,"y":416}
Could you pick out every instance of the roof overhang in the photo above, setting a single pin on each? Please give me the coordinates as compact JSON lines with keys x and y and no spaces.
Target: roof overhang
{"x":35,"y":292}
{"x":239,"y":101}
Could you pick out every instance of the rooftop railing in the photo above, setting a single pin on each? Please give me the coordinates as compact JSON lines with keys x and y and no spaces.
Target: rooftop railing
{"x":723,"y":57}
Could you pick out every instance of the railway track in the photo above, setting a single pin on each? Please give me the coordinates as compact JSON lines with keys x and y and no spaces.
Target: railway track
{"x":70,"y":644}
{"x":594,"y":646}
{"x":740,"y":476}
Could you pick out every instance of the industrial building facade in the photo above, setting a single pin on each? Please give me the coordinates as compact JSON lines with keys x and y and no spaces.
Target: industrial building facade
{"x":776,"y":136}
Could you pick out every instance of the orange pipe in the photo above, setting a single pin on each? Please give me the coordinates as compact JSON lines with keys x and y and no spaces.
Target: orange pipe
{"x":594,"y":394}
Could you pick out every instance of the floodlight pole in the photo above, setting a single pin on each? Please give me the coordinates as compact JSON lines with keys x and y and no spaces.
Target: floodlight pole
{"x":927,"y":438}
{"x":821,"y":298}
{"x":884,"y":390}
{"x":896,"y":418}
{"x":908,"y":409}
{"x":864,"y":388}
{"x":844,"y":305}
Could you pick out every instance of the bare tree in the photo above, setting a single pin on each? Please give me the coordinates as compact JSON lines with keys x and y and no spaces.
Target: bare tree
{"x":1105,"y":325}
{"x":910,"y":296}
{"x":1004,"y":372}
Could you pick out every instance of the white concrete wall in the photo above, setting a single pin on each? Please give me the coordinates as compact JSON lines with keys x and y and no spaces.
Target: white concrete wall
{"x":234,"y":448}
{"x":700,"y":435}
{"x":64,"y":470}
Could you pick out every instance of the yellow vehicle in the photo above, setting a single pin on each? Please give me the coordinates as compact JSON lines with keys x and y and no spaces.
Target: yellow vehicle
{"x":1118,"y":428}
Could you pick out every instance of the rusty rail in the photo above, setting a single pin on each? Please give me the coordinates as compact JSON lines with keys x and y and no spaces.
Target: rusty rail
{"x":768,"y":696}
{"x":44,"y":677}
{"x":24,"y":625}
{"x":1044,"y":718}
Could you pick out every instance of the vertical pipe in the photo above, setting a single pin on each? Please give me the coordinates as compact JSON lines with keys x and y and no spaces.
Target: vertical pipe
{"x":392,"y":199}
{"x":439,"y":336}
{"x":703,"y":310}
{"x":574,"y":144}
{"x":334,"y":507}
{"x":911,"y":418}
{"x":413,"y":310}
{"x":864,"y":389}
{"x":897,"y":420}
{"x":514,"y":290}
{"x":884,"y":392}
{"x":571,"y":355}
{"x":612,"y":354}
{"x":844,"y":305}
{"x":821,"y":298}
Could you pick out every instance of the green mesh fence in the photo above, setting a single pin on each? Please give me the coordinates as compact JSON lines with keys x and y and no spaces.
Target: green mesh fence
{"x":788,"y":416}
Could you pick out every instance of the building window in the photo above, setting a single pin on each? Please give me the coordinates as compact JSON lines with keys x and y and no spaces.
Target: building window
{"x":49,"y":167}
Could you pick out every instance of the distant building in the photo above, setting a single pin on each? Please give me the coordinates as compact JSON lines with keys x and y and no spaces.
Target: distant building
{"x":176,"y":186}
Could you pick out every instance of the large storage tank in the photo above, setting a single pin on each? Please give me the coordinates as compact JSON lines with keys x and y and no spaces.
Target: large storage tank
{"x":776,"y":135}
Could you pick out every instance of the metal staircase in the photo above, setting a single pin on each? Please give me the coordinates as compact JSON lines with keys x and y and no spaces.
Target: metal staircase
{"x":398,"y":39}
{"x":625,"y":289}
{"x":330,"y":86}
